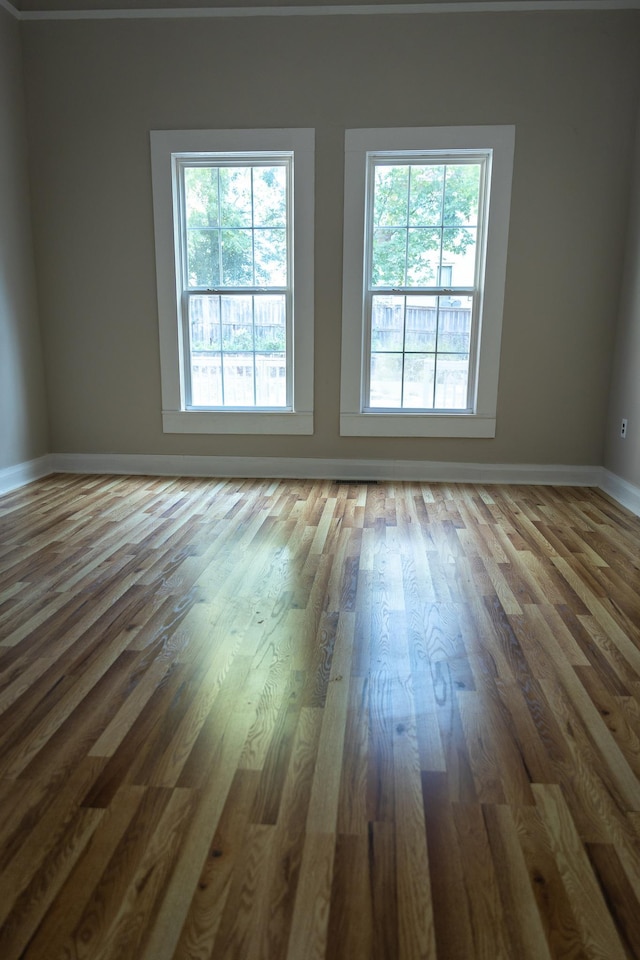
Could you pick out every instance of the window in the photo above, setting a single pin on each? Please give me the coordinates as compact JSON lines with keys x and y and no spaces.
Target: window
{"x":233,"y":216}
{"x":425,"y":234}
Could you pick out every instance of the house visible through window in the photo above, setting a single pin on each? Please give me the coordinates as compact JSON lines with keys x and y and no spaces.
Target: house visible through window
{"x":235,"y":289}
{"x":426,"y":222}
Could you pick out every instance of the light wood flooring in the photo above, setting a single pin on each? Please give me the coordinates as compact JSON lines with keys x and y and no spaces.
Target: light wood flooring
{"x":306,"y":720}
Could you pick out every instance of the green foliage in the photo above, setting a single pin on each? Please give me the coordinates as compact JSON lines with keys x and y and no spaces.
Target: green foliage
{"x":422,"y":214}
{"x":238,"y":323}
{"x":236,"y":225}
{"x":240,"y":339}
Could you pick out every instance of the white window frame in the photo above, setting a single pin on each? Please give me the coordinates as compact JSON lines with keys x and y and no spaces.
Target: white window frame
{"x":480,"y":420}
{"x":168,"y":148}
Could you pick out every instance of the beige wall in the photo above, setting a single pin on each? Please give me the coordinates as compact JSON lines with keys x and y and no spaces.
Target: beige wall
{"x":623,"y":456}
{"x":23,"y":421}
{"x":569,"y":82}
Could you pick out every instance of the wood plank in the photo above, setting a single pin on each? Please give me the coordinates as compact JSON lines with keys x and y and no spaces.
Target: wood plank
{"x":452,"y":923}
{"x":592,"y":916}
{"x":480,"y":883}
{"x":524,"y":929}
{"x":310,"y":921}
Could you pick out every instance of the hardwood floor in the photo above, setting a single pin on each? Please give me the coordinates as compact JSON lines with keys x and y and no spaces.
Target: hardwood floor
{"x":277,"y":719}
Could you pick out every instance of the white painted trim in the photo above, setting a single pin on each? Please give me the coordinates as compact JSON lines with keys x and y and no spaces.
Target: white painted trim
{"x":621,"y":490}
{"x":22,"y":473}
{"x":334,"y":10}
{"x":204,"y":421}
{"x":312,"y":468}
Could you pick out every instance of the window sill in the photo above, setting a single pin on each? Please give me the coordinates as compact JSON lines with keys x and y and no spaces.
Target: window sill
{"x":416,"y":425}
{"x":209,"y":421}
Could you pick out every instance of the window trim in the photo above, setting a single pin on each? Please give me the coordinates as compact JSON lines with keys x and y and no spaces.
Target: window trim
{"x":482,"y":421}
{"x":176,"y":417}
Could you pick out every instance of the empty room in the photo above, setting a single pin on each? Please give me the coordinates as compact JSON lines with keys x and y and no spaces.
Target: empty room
{"x":319,"y":480}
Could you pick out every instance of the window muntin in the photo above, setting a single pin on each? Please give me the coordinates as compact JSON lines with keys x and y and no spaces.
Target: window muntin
{"x":235,"y":252}
{"x":424,"y":235}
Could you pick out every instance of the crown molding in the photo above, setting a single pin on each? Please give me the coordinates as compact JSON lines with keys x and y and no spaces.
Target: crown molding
{"x":10,"y":9}
{"x":334,"y":10}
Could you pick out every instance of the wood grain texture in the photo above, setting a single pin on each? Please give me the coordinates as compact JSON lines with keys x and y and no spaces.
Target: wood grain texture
{"x":298,"y":720}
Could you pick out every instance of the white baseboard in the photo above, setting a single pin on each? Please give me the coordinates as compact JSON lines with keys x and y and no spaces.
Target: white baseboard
{"x":621,"y":490}
{"x":315,"y":468}
{"x":22,"y":473}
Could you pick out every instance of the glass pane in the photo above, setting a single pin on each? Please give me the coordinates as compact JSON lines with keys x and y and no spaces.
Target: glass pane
{"x":203,"y":265}
{"x":427,"y":183}
{"x":423,"y":257}
{"x":204,"y":323}
{"x":237,"y":258}
{"x":201,"y":196}
{"x":460,"y":246}
{"x":389,"y":257}
{"x":391,"y":195}
{"x":454,"y":324}
{"x":270,"y":320}
{"x":462,"y":190}
{"x":237,"y":337}
{"x":422,"y":315}
{"x":419,"y":370}
{"x":387,"y":323}
{"x":238,"y":380}
{"x":452,"y":376}
{"x":235,"y":196}
{"x":269,"y":196}
{"x":237,"y":323}
{"x":445,"y":272}
{"x":204,"y":334}
{"x":271,"y":379}
{"x":206,"y":380}
{"x":270,"y":248}
{"x":386,"y":380}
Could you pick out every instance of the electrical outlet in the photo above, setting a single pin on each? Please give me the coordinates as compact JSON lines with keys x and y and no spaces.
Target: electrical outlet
{"x":623,"y":429}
